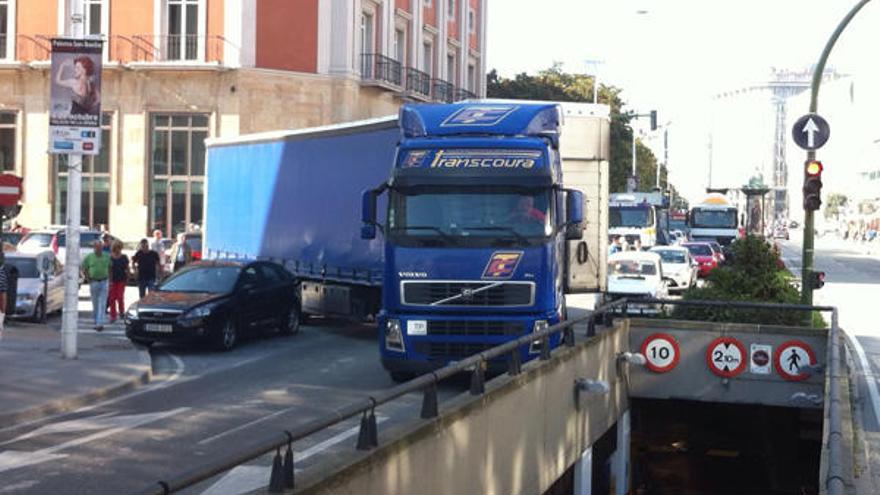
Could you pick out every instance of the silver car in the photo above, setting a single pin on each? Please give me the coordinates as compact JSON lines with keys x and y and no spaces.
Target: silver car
{"x":31,"y":302}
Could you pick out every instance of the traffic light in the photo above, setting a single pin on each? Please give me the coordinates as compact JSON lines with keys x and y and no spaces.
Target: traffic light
{"x":812,"y":185}
{"x":817,"y":280}
{"x":653,"y":120}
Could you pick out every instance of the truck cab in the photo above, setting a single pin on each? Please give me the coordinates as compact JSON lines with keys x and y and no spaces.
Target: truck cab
{"x":714,"y":219}
{"x":475,"y":232}
{"x":641,"y":217}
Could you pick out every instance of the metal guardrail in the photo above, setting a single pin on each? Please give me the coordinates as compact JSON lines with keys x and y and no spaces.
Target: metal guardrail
{"x":282,"y":476}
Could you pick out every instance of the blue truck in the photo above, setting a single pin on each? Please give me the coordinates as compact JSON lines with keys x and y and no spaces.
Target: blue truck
{"x":455,"y":227}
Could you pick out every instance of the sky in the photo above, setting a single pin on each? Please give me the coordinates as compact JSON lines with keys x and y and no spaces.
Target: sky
{"x":673,"y":56}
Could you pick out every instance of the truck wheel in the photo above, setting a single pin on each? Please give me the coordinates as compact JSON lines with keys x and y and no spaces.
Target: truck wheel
{"x":227,"y":336}
{"x":401,"y":376}
{"x":290,"y":324}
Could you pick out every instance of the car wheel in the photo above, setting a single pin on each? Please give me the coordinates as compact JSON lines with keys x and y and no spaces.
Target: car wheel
{"x":40,"y":311}
{"x":226,"y":337}
{"x":290,"y":324}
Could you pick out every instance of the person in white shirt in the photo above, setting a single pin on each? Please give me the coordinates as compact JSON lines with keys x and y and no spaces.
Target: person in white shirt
{"x":156,"y":245}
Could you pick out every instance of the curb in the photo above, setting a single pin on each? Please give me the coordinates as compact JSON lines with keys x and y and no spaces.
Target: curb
{"x":68,"y":404}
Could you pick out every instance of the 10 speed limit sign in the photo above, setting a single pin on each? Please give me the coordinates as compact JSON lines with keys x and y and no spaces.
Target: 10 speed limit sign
{"x":661,"y":352}
{"x":726,"y":357}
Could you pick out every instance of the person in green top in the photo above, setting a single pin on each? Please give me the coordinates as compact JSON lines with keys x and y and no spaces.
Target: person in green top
{"x":96,"y":270}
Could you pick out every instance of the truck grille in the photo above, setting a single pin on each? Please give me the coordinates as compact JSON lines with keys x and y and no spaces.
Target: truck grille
{"x":504,"y":294}
{"x":475,"y":328}
{"x":450,"y":350}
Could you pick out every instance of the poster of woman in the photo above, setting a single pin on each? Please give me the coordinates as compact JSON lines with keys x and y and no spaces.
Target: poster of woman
{"x":75,"y":99}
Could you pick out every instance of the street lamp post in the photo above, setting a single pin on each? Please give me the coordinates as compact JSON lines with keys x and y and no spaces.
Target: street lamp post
{"x":809,"y":228}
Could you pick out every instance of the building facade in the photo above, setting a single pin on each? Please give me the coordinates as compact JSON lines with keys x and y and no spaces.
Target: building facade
{"x":179,"y":71}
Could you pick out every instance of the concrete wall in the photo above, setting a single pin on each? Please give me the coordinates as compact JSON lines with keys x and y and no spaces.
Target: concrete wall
{"x":518,"y":438}
{"x":691,"y":379}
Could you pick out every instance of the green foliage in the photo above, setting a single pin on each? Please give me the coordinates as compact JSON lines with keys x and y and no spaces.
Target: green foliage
{"x":754,"y":273}
{"x":553,"y":84}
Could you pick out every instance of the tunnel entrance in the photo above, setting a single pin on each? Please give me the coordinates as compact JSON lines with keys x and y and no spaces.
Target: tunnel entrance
{"x":686,"y":447}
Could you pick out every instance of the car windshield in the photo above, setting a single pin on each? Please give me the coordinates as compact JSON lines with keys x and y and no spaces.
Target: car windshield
{"x":717,"y":219}
{"x":213,"y":279}
{"x":632,"y":268}
{"x":475,"y":214}
{"x":36,"y":240}
{"x":630,"y":216}
{"x":700,"y":249}
{"x":671,"y":255}
{"x":86,"y":239}
{"x":27,"y":267}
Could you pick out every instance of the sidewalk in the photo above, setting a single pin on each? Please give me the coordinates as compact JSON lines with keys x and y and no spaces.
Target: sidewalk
{"x":35,"y":381}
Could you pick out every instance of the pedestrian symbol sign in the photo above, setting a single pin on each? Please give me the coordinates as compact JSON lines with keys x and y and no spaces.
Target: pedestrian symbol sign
{"x":791,"y":357}
{"x":661,"y":352}
{"x":726,"y":357}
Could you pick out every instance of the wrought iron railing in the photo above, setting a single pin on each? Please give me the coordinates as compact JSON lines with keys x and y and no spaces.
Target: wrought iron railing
{"x":418,"y":83}
{"x":378,"y":67}
{"x":443,"y":91}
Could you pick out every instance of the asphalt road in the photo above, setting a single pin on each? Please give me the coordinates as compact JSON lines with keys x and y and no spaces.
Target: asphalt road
{"x":852,"y":283}
{"x":200,"y":405}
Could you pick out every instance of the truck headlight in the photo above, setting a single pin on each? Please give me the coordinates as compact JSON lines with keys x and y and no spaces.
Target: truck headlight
{"x":538,"y":326}
{"x":393,"y":336}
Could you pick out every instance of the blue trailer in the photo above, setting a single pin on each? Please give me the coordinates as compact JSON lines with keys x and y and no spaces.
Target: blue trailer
{"x":455,"y":227}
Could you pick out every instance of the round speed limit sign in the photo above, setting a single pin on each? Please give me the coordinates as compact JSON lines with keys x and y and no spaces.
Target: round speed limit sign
{"x":661,"y":352}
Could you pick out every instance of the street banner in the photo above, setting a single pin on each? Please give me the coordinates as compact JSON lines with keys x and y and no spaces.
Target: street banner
{"x":75,"y":96}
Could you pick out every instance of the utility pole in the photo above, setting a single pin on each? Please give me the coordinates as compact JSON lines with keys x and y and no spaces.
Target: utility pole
{"x":70,"y":313}
{"x":809,"y":226}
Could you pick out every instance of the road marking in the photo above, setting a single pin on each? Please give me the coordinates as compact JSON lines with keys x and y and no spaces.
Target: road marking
{"x":245,"y":479}
{"x":246,"y":425}
{"x":10,"y":460}
{"x":868,"y":373}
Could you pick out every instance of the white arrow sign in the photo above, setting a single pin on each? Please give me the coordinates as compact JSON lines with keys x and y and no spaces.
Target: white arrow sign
{"x":811,"y":129}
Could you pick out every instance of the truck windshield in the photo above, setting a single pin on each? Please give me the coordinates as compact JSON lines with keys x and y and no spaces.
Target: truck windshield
{"x":714,"y":219}
{"x":470,"y":215}
{"x":630,"y":216}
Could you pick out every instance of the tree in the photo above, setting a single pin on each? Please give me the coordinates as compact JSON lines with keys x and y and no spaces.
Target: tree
{"x":553,"y":84}
{"x":835,"y":205}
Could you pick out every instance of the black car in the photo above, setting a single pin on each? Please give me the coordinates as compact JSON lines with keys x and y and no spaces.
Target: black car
{"x":216,"y":302}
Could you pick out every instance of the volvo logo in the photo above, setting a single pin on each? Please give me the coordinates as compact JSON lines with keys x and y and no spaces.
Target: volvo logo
{"x":467,"y":294}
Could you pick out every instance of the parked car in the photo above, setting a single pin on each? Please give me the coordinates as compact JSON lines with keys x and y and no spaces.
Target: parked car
{"x":54,"y":239}
{"x":217,"y":302}
{"x":30,"y":300}
{"x":718,"y":251}
{"x":634,"y":275}
{"x":704,"y":255}
{"x":678,"y":267}
{"x":11,"y":240}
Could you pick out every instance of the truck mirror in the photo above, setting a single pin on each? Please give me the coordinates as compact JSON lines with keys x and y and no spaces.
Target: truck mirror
{"x":574,"y":206}
{"x":368,"y":207}
{"x":368,"y":231}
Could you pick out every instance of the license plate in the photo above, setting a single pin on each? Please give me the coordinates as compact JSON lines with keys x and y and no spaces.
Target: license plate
{"x":417,"y":327}
{"x":155,"y":327}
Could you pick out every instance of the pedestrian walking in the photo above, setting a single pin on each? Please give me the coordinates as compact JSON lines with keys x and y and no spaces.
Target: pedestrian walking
{"x":119,"y":270}
{"x":147,"y":262}
{"x":181,"y":254}
{"x":4,"y":289}
{"x":105,"y":243}
{"x":159,"y":247}
{"x":96,"y":271}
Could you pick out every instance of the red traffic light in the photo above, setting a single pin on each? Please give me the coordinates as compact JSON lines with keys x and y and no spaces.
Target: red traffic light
{"x":818,"y":280}
{"x":813,"y":168}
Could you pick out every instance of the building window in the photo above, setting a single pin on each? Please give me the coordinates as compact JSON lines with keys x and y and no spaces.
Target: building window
{"x":182,"y":20}
{"x":5,"y":18}
{"x":177,"y":166}
{"x":472,"y":78}
{"x":93,"y":15}
{"x":450,"y":68}
{"x":472,"y":21}
{"x":95,"y":207}
{"x":368,"y":44}
{"x":451,"y":9}
{"x":428,"y":58}
{"x":7,"y":141}
{"x":400,"y":45}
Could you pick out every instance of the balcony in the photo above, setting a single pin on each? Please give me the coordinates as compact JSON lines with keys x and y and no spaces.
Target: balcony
{"x":186,"y":49}
{"x":418,"y":84}
{"x":443,"y":91}
{"x":379,"y":70}
{"x":463,"y":94}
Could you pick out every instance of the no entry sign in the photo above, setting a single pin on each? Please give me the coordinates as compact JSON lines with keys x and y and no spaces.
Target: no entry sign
{"x":661,"y":352}
{"x":760,"y":359}
{"x":10,"y":189}
{"x":726,"y":357}
{"x":790,"y":357}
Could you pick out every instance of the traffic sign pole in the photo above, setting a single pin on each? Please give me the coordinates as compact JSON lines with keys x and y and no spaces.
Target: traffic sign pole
{"x":809,"y":228}
{"x":70,"y":312}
